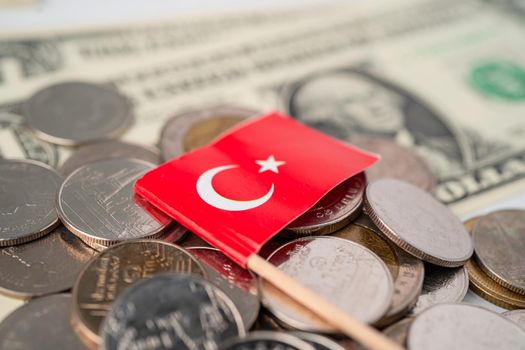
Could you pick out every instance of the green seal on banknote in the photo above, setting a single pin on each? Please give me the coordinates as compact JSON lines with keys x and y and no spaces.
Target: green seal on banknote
{"x":501,"y":79}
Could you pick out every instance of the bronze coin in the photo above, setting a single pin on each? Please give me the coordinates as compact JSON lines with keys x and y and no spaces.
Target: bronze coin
{"x":47,"y":265}
{"x":396,"y":162}
{"x":335,"y":210}
{"x":115,"y":269}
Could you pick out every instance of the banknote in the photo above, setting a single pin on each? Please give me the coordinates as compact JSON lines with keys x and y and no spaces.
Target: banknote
{"x":445,"y":78}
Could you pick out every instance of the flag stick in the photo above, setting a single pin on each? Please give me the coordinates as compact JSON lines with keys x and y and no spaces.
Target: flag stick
{"x":363,"y":333}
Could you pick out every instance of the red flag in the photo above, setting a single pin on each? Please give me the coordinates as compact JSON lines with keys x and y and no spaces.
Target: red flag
{"x":240,"y":190}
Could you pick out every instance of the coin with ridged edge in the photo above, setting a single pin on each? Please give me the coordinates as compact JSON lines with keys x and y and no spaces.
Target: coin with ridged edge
{"x":41,"y":324}
{"x":266,"y":340}
{"x":499,"y":243}
{"x":27,"y":208}
{"x":98,"y":204}
{"x":417,"y":223}
{"x":171,"y":312}
{"x":111,"y":272}
{"x":463,"y":326}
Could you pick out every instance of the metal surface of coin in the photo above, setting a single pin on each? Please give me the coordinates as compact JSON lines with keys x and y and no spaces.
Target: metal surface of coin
{"x":396,"y":162}
{"x":73,"y":113}
{"x":239,"y":284}
{"x":173,"y":234}
{"x":336,"y":209}
{"x":442,"y":285}
{"x":114,"y":270}
{"x":469,"y":224}
{"x":47,"y":265}
{"x":465,"y":327}
{"x":18,"y":141}
{"x":318,"y":341}
{"x":97,"y":203}
{"x":349,"y":275}
{"x":265,"y":340}
{"x":41,"y":324}
{"x":417,"y":222}
{"x":490,"y":290}
{"x":407,"y":271}
{"x":27,"y":206}
{"x":109,"y":149}
{"x":398,"y":332}
{"x":499,"y":242}
{"x":516,"y":316}
{"x":187,"y":313}
{"x":193,"y":129}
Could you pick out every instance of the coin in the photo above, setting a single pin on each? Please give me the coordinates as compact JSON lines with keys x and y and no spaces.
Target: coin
{"x":27,"y":206}
{"x":318,"y":341}
{"x":97,"y":203}
{"x":109,"y":149}
{"x":171,"y":312}
{"x":266,"y":321}
{"x":72,"y":113}
{"x":442,"y":285}
{"x":238,"y":284}
{"x":173,"y":234}
{"x":469,"y":224}
{"x":266,"y":340}
{"x":349,"y":275}
{"x":398,"y":332}
{"x":499,"y":242}
{"x":406,"y":270}
{"x":417,"y":222}
{"x":516,"y":316}
{"x":47,"y":265}
{"x":20,"y":142}
{"x":41,"y":324}
{"x":490,"y":290}
{"x":396,"y":162}
{"x":335,"y":210}
{"x":114,"y":270}
{"x":463,"y":326}
{"x":192,"y":129}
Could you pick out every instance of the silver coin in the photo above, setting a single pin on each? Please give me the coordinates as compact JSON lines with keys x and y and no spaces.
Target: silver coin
{"x":73,"y":113}
{"x":349,"y":275}
{"x":174,"y":233}
{"x":418,"y":223}
{"x":171,"y":312}
{"x":516,"y":316}
{"x":318,"y":341}
{"x":47,"y":265}
{"x":97,"y":203}
{"x":206,"y":124}
{"x":398,"y":332}
{"x":18,"y":141}
{"x":396,"y":162}
{"x":27,"y":207}
{"x":465,"y":327}
{"x":41,"y":324}
{"x":239,"y":284}
{"x":109,"y":149}
{"x":442,"y":285}
{"x":499,"y":242}
{"x":266,"y":340}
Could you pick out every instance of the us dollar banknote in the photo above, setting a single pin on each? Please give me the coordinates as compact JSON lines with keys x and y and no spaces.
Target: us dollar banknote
{"x":445,"y":78}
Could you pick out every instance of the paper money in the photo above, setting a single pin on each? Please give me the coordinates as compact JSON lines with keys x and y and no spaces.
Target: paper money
{"x":446,"y":77}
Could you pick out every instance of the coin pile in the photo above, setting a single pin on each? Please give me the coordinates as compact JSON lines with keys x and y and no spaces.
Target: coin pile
{"x":101,"y":268}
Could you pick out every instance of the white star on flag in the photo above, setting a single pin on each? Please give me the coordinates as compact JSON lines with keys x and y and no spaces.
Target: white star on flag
{"x":269,"y":164}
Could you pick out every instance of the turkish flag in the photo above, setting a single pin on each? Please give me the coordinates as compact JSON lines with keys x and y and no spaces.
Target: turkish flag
{"x":249,"y":184}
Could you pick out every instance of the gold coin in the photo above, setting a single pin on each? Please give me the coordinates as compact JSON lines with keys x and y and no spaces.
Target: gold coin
{"x":204,"y":131}
{"x":488,"y":289}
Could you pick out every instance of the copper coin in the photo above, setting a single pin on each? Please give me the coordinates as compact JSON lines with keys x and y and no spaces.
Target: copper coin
{"x":73,"y":113}
{"x":192,"y":129}
{"x":406,"y":270}
{"x":417,"y":223}
{"x":396,"y":162}
{"x":499,"y":242}
{"x":47,"y":265}
{"x":41,"y":324}
{"x":335,"y":210}
{"x":114,"y":270}
{"x":239,"y":284}
{"x":109,"y":149}
{"x":27,"y":207}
